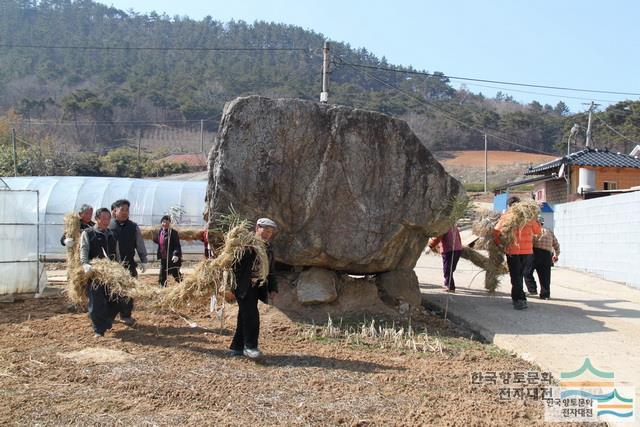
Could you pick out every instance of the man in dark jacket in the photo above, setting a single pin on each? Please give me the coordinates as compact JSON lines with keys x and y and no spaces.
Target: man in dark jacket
{"x":169,"y":250}
{"x":249,"y":290}
{"x":130,"y":241}
{"x":99,"y":242}
{"x":84,"y":216}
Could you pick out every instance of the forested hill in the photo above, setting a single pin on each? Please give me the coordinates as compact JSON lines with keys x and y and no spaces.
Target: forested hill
{"x":45,"y":76}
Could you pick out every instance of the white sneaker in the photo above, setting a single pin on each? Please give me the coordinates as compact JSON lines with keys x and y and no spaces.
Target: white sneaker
{"x":252,"y":353}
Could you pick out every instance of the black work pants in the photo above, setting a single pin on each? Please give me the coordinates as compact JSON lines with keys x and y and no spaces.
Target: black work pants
{"x":517,"y":265}
{"x":449,"y":264}
{"x":248,"y":326}
{"x":542,"y":262}
{"x":103,"y":309}
{"x":125,"y":305}
{"x":173,"y":269}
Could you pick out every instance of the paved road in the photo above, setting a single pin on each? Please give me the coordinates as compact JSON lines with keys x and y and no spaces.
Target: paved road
{"x":586,"y":317}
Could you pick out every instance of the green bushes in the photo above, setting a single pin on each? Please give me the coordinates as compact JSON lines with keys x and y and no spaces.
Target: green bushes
{"x":122,"y":162}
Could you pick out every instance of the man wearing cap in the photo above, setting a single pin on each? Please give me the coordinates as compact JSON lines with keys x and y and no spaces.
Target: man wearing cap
{"x":249,"y":290}
{"x":546,"y":250}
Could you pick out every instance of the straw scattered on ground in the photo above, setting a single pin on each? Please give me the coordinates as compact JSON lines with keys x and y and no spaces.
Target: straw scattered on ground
{"x":165,"y":372}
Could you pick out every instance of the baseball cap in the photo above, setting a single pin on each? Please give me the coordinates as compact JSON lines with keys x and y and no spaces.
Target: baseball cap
{"x":266,"y":222}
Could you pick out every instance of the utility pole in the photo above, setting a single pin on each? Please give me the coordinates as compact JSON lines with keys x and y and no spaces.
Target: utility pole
{"x":592,"y":106}
{"x":485,"y":163}
{"x":201,"y":136}
{"x":324,"y":95}
{"x":139,"y":143}
{"x":15,"y":153}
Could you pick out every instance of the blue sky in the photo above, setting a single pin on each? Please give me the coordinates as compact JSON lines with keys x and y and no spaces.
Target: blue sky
{"x":584,"y":44}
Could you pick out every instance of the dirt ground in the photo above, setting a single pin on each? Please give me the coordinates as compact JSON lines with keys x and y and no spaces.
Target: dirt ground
{"x":503,"y":166}
{"x":173,"y":370}
{"x":494,"y":158}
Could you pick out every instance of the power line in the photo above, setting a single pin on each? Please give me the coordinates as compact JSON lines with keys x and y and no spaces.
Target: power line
{"x":107,"y":123}
{"x":445,"y":113}
{"x":22,"y":141}
{"x":159,"y":48}
{"x":439,"y":75}
{"x":613,"y":130}
{"x":553,"y":95}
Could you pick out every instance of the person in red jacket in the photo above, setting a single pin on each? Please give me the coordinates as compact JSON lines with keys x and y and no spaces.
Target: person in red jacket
{"x":519,"y":252}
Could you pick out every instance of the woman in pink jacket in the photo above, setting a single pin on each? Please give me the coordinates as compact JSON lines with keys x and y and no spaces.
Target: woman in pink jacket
{"x":450,"y":247}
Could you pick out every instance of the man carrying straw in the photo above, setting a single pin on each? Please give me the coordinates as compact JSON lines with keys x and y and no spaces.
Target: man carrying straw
{"x":99,"y":242}
{"x":514,"y":232}
{"x":130,"y":240}
{"x":249,"y":289}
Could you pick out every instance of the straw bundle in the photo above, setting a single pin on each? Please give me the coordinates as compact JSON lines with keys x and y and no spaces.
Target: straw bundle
{"x":483,"y":228}
{"x":191,"y":234}
{"x":187,"y":234}
{"x":493,"y":265}
{"x":76,"y":280}
{"x":517,"y":217}
{"x":214,"y":276}
{"x":117,"y":280}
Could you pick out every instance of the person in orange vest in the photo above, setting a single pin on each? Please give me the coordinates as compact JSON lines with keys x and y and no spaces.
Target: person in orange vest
{"x":519,"y":253}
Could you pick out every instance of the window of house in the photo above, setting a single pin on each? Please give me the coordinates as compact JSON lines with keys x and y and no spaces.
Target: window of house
{"x":610,"y":185}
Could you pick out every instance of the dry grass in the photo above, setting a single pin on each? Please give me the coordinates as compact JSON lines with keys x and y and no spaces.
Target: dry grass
{"x":186,"y":233}
{"x":118,"y":280}
{"x":493,"y":264}
{"x":214,"y":276}
{"x":75,"y":288}
{"x":517,"y":217}
{"x":212,"y":281}
{"x":378,"y":336}
{"x":113,"y":275}
{"x":177,"y":374}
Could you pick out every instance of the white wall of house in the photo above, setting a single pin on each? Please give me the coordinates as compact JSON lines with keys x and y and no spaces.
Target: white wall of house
{"x":601,"y":236}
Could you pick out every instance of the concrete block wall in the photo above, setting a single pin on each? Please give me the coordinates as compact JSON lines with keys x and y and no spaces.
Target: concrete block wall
{"x":556,"y":191}
{"x":601,"y":236}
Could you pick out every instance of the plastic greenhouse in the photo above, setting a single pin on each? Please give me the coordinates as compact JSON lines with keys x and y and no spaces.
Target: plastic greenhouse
{"x":35,"y":206}
{"x":20,"y":268}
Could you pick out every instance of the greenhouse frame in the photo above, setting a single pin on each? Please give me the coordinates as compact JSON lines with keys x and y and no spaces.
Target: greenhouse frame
{"x":35,"y":206}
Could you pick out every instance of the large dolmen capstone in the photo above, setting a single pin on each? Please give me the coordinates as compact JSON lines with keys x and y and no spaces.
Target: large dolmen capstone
{"x":351,"y":190}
